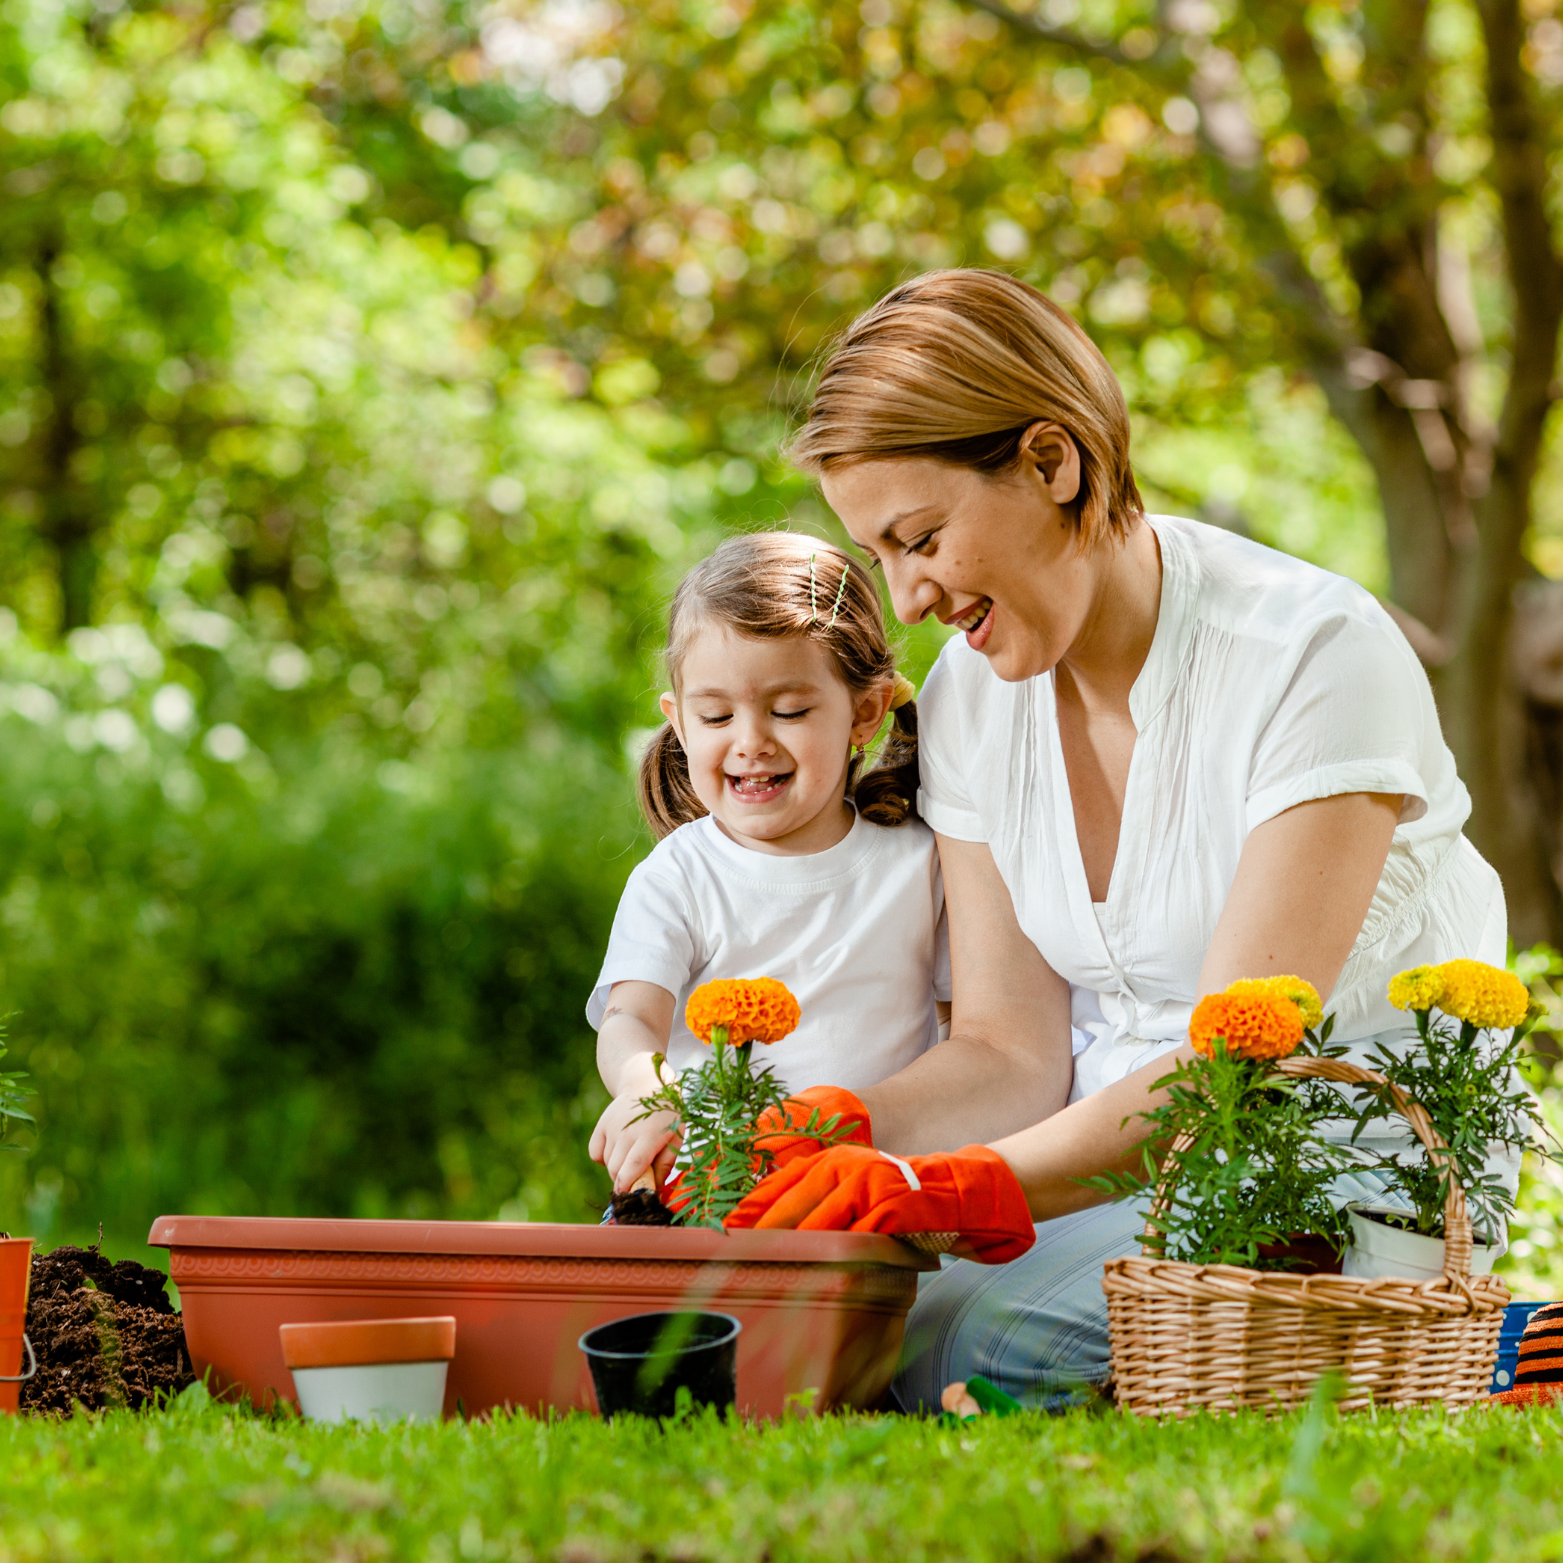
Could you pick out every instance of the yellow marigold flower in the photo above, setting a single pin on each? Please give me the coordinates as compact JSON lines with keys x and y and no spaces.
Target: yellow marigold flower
{"x":1301,"y":992}
{"x":1252,"y":1026}
{"x":1419,"y":988}
{"x":752,"y":1009}
{"x":1484,"y":995}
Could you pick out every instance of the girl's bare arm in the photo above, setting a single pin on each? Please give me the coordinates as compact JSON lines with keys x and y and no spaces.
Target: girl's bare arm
{"x":637,"y":1025}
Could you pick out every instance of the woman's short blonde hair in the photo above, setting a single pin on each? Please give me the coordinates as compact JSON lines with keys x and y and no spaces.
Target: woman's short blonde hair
{"x":957,"y":365}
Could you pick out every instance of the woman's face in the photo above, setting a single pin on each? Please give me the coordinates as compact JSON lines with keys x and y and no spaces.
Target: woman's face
{"x":996,"y":556}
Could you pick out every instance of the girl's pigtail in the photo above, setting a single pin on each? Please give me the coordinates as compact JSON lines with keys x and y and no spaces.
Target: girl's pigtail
{"x":887,"y":794}
{"x":663,"y":789}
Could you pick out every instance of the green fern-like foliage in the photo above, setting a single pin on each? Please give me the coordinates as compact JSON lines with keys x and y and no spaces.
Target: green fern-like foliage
{"x":1471,"y":1084}
{"x":1251,"y":1172}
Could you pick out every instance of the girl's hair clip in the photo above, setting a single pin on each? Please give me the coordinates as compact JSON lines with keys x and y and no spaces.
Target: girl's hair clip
{"x":813,"y":599}
{"x":841,"y":592}
{"x":902,"y":691}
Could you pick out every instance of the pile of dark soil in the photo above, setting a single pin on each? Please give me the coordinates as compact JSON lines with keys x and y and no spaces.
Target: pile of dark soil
{"x":105,"y":1334}
{"x":640,"y":1208}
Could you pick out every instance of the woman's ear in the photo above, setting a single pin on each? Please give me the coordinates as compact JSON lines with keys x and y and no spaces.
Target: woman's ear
{"x":1049,"y":449}
{"x":869,"y":712}
{"x":670,"y":712}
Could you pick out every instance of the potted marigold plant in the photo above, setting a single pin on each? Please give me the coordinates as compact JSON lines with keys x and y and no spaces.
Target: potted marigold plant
{"x":1471,"y":1021}
{"x":1239,"y":1170}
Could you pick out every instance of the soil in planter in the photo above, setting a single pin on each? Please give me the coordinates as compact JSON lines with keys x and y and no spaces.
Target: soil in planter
{"x":105,"y":1334}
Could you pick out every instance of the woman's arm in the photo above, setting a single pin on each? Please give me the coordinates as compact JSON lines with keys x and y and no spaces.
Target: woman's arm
{"x":1302,"y":889}
{"x":637,"y":1024}
{"x":1007,"y":1061}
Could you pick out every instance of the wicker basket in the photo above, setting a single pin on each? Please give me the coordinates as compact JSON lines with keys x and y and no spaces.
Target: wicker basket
{"x":1191,"y":1338}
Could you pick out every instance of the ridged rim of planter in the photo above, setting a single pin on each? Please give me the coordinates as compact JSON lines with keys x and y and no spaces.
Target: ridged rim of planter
{"x":539,"y":1239}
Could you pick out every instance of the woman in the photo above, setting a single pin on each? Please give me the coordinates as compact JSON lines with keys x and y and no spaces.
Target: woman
{"x":1157,"y":758}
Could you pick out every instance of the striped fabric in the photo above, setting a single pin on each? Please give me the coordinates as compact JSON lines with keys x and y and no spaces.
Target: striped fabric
{"x":1539,"y":1377}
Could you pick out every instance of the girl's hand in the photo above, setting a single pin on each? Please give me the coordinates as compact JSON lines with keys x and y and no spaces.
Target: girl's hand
{"x":635,"y":1029}
{"x":627,"y":1149}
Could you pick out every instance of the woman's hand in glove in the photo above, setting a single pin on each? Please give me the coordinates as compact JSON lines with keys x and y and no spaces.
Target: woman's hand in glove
{"x":971,"y":1192}
{"x":782,"y":1131}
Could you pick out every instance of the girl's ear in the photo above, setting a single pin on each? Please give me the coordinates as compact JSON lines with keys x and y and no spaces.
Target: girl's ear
{"x":869,"y":712}
{"x":670,"y":712}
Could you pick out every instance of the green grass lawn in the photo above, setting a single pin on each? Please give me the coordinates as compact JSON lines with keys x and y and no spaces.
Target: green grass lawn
{"x":198,"y":1482}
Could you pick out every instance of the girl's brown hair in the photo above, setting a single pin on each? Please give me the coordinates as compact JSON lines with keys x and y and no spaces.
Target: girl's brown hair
{"x":767,"y":585}
{"x":957,"y":365}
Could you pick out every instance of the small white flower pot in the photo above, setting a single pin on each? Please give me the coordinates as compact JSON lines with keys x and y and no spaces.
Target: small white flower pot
{"x":370,"y":1370}
{"x":373,"y":1392}
{"x":1380,"y":1250}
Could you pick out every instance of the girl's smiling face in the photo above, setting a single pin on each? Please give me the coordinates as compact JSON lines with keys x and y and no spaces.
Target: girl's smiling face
{"x":997,"y":557}
{"x":768,"y":727}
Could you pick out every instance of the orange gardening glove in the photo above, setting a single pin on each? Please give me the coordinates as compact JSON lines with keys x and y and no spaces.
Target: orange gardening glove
{"x":829,"y":1101}
{"x":851,"y":1189}
{"x":784,"y":1143}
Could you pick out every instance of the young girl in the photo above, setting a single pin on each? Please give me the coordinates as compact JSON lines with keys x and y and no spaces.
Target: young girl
{"x":778,"y":854}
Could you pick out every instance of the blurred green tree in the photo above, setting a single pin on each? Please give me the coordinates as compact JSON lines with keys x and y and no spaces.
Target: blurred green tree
{"x":1354,"y":192}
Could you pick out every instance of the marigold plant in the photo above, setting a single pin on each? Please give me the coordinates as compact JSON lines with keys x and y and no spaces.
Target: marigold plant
{"x":718,"y":1103}
{"x":1260,"y":1026}
{"x":739,"y":1010}
{"x":1251,"y":1171}
{"x":1467,"y":1080}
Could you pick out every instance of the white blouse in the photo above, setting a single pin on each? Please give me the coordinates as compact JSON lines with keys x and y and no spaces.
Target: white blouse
{"x":1269,"y":683}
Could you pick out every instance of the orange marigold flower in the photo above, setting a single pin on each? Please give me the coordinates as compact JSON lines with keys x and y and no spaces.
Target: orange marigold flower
{"x":1257,"y":1026}
{"x":1487,"y":996}
{"x":751,"y":1009}
{"x":1299,"y":990}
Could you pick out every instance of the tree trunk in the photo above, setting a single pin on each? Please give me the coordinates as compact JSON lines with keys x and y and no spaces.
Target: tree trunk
{"x":68,"y":523}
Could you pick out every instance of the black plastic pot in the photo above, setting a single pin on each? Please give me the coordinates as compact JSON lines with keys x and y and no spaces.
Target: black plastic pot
{"x":640,"y":1364}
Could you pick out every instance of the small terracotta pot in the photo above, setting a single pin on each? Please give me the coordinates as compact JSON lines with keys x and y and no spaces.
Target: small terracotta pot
{"x":374,"y":1370}
{"x":822,"y":1312}
{"x":16,"y":1254}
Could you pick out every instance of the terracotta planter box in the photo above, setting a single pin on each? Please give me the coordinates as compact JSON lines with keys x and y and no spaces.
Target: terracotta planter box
{"x":821,"y":1311}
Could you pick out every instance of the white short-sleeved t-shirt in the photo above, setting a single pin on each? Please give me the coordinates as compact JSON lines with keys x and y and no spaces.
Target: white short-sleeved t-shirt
{"x":856,"y":932}
{"x":1269,"y":683}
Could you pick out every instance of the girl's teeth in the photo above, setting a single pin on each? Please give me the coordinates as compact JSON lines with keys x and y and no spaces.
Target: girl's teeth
{"x":975,"y":617}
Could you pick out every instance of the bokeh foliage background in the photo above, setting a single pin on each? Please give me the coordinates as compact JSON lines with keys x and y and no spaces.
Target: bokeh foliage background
{"x":369,"y":370}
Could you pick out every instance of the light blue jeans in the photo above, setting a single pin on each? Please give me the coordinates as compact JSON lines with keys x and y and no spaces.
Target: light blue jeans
{"x":1036,"y":1327}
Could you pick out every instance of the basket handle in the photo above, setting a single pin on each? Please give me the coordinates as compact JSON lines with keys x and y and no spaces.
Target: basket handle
{"x":1457,"y":1219}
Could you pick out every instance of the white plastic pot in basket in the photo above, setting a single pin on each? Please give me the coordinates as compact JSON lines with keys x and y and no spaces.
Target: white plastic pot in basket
{"x":1378,"y":1250}
{"x":370,"y":1370}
